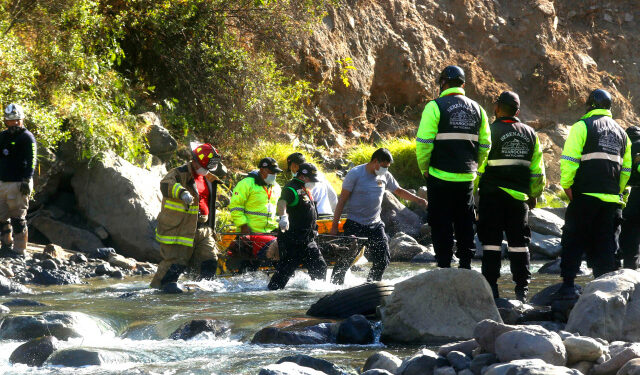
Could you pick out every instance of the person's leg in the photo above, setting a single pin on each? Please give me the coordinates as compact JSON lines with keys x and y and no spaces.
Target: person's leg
{"x":575,"y":238}
{"x":175,"y":259}
{"x":630,"y":233}
{"x":441,"y":221}
{"x":18,"y":204}
{"x":379,"y":250}
{"x":287,"y":265}
{"x":205,"y":257}
{"x":490,"y":235}
{"x":314,"y":262}
{"x":464,"y":216}
{"x":351,"y":228}
{"x":518,"y":236}
{"x":604,"y":243}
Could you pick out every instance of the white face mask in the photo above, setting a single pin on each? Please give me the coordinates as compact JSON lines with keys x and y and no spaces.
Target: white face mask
{"x":201,"y":171}
{"x":271,"y":178}
{"x":309,"y":185}
{"x":381,"y":171}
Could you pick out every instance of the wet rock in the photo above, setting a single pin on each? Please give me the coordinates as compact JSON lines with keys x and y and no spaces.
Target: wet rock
{"x":78,"y":258}
{"x":421,"y":363}
{"x":195,"y":327}
{"x":101,"y":253}
{"x":428,"y":256}
{"x":318,"y":334}
{"x":62,"y":325}
{"x":34,"y":352}
{"x":376,"y":372}
{"x":23,"y":302}
{"x":355,"y":330}
{"x":65,"y":235}
{"x":404,"y":248}
{"x":399,"y":218}
{"x":8,"y":287}
{"x":458,"y":360}
{"x":617,"y":361}
{"x":117,"y":274}
{"x":481,"y":361}
{"x":318,"y":364}
{"x":109,"y":189}
{"x":104,"y":269}
{"x":49,"y":264}
{"x":466,"y":347}
{"x":79,"y":357}
{"x":609,"y":308}
{"x":545,"y":222}
{"x":630,"y":368}
{"x":545,"y":296}
{"x":127,"y":295}
{"x":117,"y":260}
{"x":4,"y":310}
{"x":529,"y":367}
{"x":524,"y":344}
{"x":448,"y":302}
{"x":547,"y":246}
{"x":581,"y":348}
{"x":553,"y":268}
{"x":6,"y":271}
{"x":446,"y":370}
{"x":288,"y":368}
{"x":382,"y":361}
{"x":55,"y":277}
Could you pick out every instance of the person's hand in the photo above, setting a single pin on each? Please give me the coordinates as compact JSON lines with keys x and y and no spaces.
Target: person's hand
{"x":334,"y":230}
{"x":25,"y":188}
{"x":532,"y":202}
{"x":422,"y":202}
{"x":245,"y":229}
{"x":186,"y":197}
{"x":569,"y":193}
{"x":283,"y":223}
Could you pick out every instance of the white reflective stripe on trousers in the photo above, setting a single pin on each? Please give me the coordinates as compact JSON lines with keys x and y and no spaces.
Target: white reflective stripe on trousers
{"x":601,"y":156}
{"x":518,"y":249}
{"x":491,"y":248}
{"x":505,"y":162}
{"x":457,"y":137}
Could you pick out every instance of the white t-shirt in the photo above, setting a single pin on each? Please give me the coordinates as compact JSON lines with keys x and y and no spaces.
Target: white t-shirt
{"x":324,"y":196}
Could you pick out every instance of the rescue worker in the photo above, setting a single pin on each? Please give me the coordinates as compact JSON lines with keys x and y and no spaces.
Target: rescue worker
{"x":595,"y":167}
{"x":17,"y":165}
{"x":510,"y":181}
{"x":630,"y":233}
{"x":253,"y":203}
{"x":297,"y":224}
{"x":452,"y":140}
{"x":186,"y":223}
{"x":362,"y":192}
{"x":323,"y":193}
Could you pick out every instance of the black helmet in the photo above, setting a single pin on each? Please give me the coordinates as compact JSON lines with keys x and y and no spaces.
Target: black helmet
{"x":599,"y":99}
{"x":453,"y":75}
{"x":634,"y":133}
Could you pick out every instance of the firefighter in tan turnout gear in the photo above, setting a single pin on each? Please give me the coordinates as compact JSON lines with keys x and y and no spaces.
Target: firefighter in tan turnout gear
{"x":187,"y":220}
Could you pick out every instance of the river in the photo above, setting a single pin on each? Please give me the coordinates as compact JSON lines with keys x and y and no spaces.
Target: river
{"x":137,"y":327}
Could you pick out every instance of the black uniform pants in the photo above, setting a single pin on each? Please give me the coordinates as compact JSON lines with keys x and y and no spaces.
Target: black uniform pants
{"x":377,"y":251}
{"x":590,"y":228}
{"x":296,"y":249}
{"x":630,"y":233}
{"x":451,"y":210}
{"x":501,"y":213}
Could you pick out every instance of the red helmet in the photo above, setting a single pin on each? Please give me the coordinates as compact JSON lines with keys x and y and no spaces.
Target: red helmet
{"x":207,"y":156}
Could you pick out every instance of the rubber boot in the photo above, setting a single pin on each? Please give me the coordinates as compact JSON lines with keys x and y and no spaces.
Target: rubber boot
{"x":464,"y":263}
{"x":208,"y":269}
{"x":495,"y":291}
{"x":20,"y":242}
{"x":521,"y":293}
{"x":172,"y":275}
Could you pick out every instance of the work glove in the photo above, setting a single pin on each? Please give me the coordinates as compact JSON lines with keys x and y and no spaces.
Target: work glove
{"x":25,"y":187}
{"x":283,"y":223}
{"x":532,"y":202}
{"x":186,"y":197}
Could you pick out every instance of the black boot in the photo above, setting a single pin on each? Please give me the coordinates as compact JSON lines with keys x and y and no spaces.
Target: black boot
{"x":172,"y":275}
{"x":495,"y":291}
{"x":521,"y":293}
{"x":6,"y":251}
{"x":464,"y":263}
{"x":208,"y":269}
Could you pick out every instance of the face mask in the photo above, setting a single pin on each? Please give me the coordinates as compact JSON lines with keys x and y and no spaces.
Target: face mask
{"x":13,"y":129}
{"x":271,"y":178}
{"x":381,"y":171}
{"x":309,"y":185}
{"x":201,"y":171}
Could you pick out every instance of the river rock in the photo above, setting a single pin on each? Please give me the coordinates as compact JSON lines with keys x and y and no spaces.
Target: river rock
{"x":54,"y":251}
{"x":487,"y":331}
{"x":355,"y":330}
{"x":545,"y":222}
{"x":103,"y":253}
{"x":8,"y":287}
{"x":79,"y":357}
{"x":447,"y":370}
{"x":62,"y":325}
{"x":118,"y":260}
{"x":630,"y":368}
{"x":6,"y":271}
{"x":48,"y":264}
{"x":110,"y":189}
{"x":437,"y":304}
{"x":382,"y":361}
{"x":617,"y":361}
{"x":529,"y":367}
{"x":376,"y":372}
{"x":422,"y":363}
{"x":458,"y":360}
{"x":318,"y":364}
{"x":16,"y":302}
{"x":404,"y":248}
{"x":609,"y":308}
{"x":525,"y":344}
{"x":399,"y":218}
{"x":4,"y":310}
{"x":55,"y":277}
{"x":547,"y":246}
{"x":581,"y":348}
{"x":545,"y":296}
{"x":288,"y":368}
{"x":584,"y":367}
{"x":195,"y":327}
{"x":318,"y":334}
{"x":466,"y":347}
{"x":34,"y":352}
{"x":65,"y":235}
{"x":553,"y":268}
{"x":481,"y":361}
{"x":104,"y":269}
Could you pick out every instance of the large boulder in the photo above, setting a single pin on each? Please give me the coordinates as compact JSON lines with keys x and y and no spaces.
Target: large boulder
{"x":314,"y":335}
{"x":382,"y":361}
{"x":65,"y":235}
{"x":8,"y":287}
{"x":630,"y":368}
{"x":404,"y":248}
{"x":545,"y":222}
{"x":545,"y":297}
{"x":125,"y":200}
{"x":34,"y":352}
{"x":318,"y":364}
{"x":55,"y":277}
{"x":62,"y":325}
{"x":544,"y":245}
{"x":355,"y":330}
{"x":422,"y":363}
{"x":161,"y":143}
{"x":529,"y":367}
{"x":609,"y":308}
{"x":288,"y":368}
{"x":399,"y":218}
{"x":528,"y":344}
{"x":617,"y":361}
{"x":80,"y":357}
{"x":581,"y":348}
{"x":193,"y":328}
{"x":442,"y":304}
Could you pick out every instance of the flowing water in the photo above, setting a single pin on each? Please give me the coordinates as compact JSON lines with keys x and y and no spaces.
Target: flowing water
{"x":136,"y":328}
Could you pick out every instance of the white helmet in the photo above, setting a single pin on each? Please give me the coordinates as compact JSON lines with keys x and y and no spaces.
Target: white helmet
{"x":13,"y":112}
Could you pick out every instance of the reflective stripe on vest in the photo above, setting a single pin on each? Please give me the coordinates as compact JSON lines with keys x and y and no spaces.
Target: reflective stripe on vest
{"x":457,"y":137}
{"x":250,"y":212}
{"x":179,"y":206}
{"x":174,"y":240}
{"x":492,"y":248}
{"x":506,"y":162}
{"x":175,"y":190}
{"x":522,"y":249}
{"x":602,"y":156}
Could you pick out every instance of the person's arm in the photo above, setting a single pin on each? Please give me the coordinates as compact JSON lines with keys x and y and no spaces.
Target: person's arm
{"x":344,"y":197}
{"x":170,"y":187}
{"x":426,"y":135}
{"x":30,"y":154}
{"x":627,"y":162}
{"x":571,"y":155}
{"x":484,"y":138}
{"x":404,"y":194}
{"x":236,"y":206}
{"x":538,"y":178}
